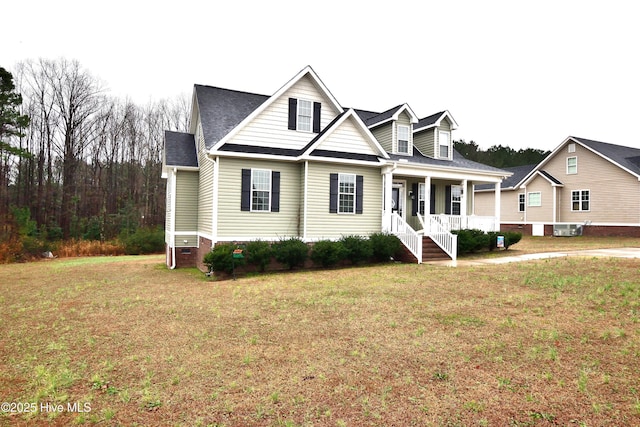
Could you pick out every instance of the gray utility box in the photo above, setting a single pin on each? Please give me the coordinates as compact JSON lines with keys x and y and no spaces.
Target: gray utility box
{"x":567,"y":230}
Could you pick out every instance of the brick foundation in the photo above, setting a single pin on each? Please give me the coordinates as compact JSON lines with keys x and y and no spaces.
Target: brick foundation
{"x":587,"y":230}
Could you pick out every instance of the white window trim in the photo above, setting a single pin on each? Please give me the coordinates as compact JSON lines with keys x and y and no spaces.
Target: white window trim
{"x":298,"y":106}
{"x":449,"y":151}
{"x":408,"y":152}
{"x":355,"y":189}
{"x":523,"y":203}
{"x":422,"y":194}
{"x":576,"y":165}
{"x":269,"y":174}
{"x":529,"y":198}
{"x":456,"y":201}
{"x":580,"y":200}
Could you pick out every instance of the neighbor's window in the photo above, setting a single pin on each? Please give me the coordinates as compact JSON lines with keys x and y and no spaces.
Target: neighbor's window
{"x":521,"y":202}
{"x":580,"y":200}
{"x":535,"y":199}
{"x":444,"y":141}
{"x":346,"y":193}
{"x":456,"y":199}
{"x":421,"y":197}
{"x":305,"y":114}
{"x":403,"y":139}
{"x":572,"y":165}
{"x":260,"y":190}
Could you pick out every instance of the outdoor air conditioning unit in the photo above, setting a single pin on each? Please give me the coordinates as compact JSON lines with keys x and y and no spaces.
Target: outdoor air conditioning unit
{"x":567,"y":230}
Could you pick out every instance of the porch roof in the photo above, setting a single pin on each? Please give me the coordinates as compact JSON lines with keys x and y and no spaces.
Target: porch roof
{"x":458,"y":162}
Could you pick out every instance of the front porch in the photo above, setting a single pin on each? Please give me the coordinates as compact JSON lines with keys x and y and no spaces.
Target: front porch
{"x":426,"y":208}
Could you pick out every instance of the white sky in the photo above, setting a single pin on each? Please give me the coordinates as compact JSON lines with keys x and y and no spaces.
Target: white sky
{"x":521,"y":74}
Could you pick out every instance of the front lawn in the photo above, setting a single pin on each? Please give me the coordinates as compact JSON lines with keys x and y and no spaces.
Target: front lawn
{"x":551,"y":342}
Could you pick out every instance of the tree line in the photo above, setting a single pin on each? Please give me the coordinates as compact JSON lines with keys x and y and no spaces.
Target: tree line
{"x":499,"y":156}
{"x":80,"y":163}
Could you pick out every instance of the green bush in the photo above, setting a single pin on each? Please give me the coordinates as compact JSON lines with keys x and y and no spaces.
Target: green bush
{"x":291,"y":252}
{"x":357,"y":248}
{"x":471,"y":240}
{"x":221,"y":258}
{"x":144,"y":241}
{"x":384,"y":246}
{"x":259,"y":253}
{"x":327,"y":253}
{"x":511,"y":238}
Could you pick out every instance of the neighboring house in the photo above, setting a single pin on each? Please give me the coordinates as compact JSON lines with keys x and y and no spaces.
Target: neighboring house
{"x":298,"y":164}
{"x":588,"y":186}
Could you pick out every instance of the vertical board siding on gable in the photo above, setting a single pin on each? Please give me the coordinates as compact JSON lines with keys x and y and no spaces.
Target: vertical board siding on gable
{"x":186,"y":201}
{"x":270,"y":128}
{"x":614,"y":193}
{"x":321,"y":224}
{"x":205,"y":192}
{"x":425,"y":142}
{"x":384,"y":135}
{"x":236,"y":224}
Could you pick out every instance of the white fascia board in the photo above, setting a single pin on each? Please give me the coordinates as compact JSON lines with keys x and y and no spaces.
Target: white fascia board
{"x":602,"y":156}
{"x":448,"y":173}
{"x":305,"y":71}
{"x":405,"y":107}
{"x":537,"y":172}
{"x":379,"y":163}
{"x":256,"y":156}
{"x":371,"y":140}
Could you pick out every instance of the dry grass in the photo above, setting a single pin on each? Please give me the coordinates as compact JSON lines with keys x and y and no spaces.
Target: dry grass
{"x":75,"y":248}
{"x":554,"y":342}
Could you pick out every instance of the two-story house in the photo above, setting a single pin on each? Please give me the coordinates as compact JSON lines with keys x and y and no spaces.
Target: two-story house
{"x":298,"y":163}
{"x":583,"y":186}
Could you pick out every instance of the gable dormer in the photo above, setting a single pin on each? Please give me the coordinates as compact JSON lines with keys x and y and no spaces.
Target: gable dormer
{"x":393,"y":128}
{"x":433,"y":135}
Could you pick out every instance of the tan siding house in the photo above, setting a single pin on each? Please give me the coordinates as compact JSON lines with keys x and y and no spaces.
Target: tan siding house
{"x":590,"y":185}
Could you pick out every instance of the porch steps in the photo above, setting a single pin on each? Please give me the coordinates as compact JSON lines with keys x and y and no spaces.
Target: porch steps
{"x":431,"y":251}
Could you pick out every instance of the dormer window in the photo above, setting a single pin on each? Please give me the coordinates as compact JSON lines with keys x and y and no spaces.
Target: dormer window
{"x":304,"y":115}
{"x":444,"y":143}
{"x":403,"y":139}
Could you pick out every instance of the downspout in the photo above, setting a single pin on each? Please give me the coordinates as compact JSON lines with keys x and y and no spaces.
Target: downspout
{"x":173,"y":220}
{"x":304,"y":207}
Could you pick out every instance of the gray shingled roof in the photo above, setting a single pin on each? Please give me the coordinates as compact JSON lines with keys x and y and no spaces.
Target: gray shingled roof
{"x":626,"y":157}
{"x":180,"y":149}
{"x":222,"y":110}
{"x":429,"y":120}
{"x":459,"y":161}
{"x":519,"y":173}
{"x":372,"y":119}
{"x":550,"y":177}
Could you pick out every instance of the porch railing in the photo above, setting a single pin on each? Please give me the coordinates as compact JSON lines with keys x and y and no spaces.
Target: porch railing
{"x":442,"y":236}
{"x":407,"y":235}
{"x":459,"y":222}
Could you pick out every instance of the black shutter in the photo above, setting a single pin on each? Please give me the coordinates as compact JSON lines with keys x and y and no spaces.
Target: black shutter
{"x":275,"y":191}
{"x":447,"y":200}
{"x":359,"y":195}
{"x":414,"y":201}
{"x":316,"y":117}
{"x":293,"y":113}
{"x":333,"y":193}
{"x":432,"y":198}
{"x":245,"y":203}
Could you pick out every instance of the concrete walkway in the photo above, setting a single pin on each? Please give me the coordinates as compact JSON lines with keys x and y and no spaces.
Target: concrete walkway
{"x":616,"y":253}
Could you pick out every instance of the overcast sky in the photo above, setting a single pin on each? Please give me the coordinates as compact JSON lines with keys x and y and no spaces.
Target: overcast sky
{"x":522,"y":74}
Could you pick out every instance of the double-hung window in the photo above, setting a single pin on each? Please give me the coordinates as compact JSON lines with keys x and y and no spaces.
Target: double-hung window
{"x":421,"y":197}
{"x":572,"y":165}
{"x":305,"y":114}
{"x":260,"y":190}
{"x":521,"y":202}
{"x":580,"y":200}
{"x":346,"y":193}
{"x":444,"y":142}
{"x":403,"y":139}
{"x":456,"y":199}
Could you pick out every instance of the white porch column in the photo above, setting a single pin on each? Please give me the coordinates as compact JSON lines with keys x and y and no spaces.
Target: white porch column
{"x":387,"y":178}
{"x":497,"y":207}
{"x":427,"y":204}
{"x":463,"y":204}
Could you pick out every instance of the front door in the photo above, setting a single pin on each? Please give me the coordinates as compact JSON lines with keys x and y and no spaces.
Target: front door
{"x":397,"y":199}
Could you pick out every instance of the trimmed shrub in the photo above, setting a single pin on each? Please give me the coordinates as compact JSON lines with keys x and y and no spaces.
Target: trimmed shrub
{"x":291,"y":252}
{"x":511,"y":238}
{"x":327,"y":253}
{"x":357,"y":249}
{"x":221,"y":258}
{"x":144,"y":241}
{"x":385,"y":246}
{"x":471,"y":240}
{"x":259,"y":253}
